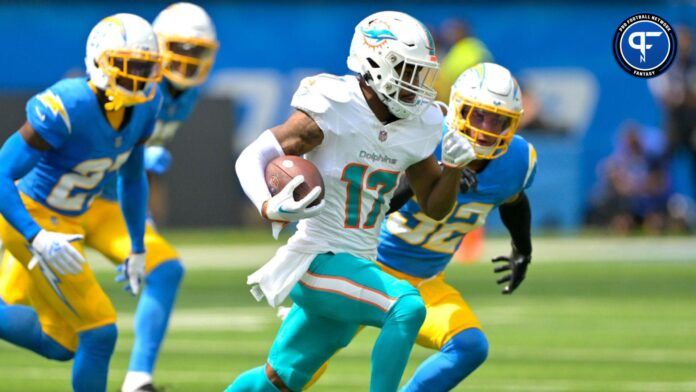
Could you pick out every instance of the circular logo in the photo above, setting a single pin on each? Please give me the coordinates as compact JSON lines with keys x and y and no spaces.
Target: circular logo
{"x":645,"y":45}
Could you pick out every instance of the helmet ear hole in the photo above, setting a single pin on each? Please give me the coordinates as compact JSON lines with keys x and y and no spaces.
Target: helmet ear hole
{"x":373,"y":64}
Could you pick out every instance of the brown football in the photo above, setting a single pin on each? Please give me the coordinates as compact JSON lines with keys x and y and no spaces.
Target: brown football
{"x":284,"y":168}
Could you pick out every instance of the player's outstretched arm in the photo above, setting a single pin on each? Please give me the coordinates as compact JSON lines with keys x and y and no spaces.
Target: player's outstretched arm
{"x":298,"y":135}
{"x":435,"y":188}
{"x":133,"y":193}
{"x":517,"y":217}
{"x":20,"y":153}
{"x":404,"y":192}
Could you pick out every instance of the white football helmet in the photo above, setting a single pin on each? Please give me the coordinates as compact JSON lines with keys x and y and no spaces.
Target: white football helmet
{"x":486,"y":106}
{"x":188,"y":43}
{"x":123,"y":59}
{"x":395,"y":53}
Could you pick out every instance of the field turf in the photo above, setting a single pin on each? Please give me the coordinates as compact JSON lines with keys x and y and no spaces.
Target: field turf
{"x":581,"y":322}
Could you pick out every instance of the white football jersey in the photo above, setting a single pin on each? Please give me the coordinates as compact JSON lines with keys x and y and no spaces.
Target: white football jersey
{"x":360,"y":160}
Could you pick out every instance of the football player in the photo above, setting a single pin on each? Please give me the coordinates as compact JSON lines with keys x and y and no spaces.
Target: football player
{"x":79,"y":134}
{"x":485,"y":105}
{"x":188,"y":44}
{"x":362,"y":132}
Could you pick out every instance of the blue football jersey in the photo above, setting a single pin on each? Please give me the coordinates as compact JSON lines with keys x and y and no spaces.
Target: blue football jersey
{"x":86,"y":151}
{"x":174,"y":111}
{"x":179,"y":108}
{"x":415,"y":244}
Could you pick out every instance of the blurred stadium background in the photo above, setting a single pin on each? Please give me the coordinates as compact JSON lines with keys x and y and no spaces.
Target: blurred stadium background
{"x":609,"y":304}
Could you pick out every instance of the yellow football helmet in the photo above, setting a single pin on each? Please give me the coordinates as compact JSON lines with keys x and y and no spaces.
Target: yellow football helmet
{"x":486,"y":107}
{"x":188,"y":42}
{"x":123,"y":60}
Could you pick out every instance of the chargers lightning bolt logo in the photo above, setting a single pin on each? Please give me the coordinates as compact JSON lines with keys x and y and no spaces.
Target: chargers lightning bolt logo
{"x":53,"y":280}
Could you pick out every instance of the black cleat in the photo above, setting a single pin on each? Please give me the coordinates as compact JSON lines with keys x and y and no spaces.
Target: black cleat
{"x":148,"y":388}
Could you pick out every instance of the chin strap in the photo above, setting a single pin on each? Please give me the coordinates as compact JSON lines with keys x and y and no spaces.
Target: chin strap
{"x":114,"y":103}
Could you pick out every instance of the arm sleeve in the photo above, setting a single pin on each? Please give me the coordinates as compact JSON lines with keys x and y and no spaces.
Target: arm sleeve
{"x":251,"y":167}
{"x":401,"y":196}
{"x":133,"y":194}
{"x":17,"y":158}
{"x":517,"y":218}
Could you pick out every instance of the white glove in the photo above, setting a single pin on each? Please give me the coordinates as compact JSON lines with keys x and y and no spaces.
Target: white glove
{"x":55,"y":250}
{"x":283,"y":207}
{"x":457,"y":151}
{"x":133,"y":272}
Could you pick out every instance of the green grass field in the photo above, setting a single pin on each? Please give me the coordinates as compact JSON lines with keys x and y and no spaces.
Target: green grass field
{"x":580,"y":322}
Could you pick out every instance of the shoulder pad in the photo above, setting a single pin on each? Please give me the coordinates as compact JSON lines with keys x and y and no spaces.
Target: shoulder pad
{"x":54,"y":105}
{"x":433,"y":115}
{"x":333,"y":87}
{"x":442,"y":106}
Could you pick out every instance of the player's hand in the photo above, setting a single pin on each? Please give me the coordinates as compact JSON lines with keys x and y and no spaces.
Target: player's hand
{"x":457,"y":151}
{"x":284,"y":208}
{"x":157,"y":160}
{"x":516,"y":264}
{"x":55,"y":250}
{"x":132,"y":271}
{"x":469,"y":181}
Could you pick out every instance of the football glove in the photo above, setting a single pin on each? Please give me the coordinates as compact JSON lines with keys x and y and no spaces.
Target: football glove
{"x":284,"y":208}
{"x":469,"y":181}
{"x":55,"y":250}
{"x":517,"y":264}
{"x":132,"y":271}
{"x":457,"y":151}
{"x":157,"y":160}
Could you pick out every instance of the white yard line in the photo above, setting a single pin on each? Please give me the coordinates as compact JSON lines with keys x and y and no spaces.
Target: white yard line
{"x":546,"y":249}
{"x":212,"y":319}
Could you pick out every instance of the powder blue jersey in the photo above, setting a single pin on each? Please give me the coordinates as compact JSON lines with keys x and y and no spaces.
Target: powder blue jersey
{"x":179,"y":108}
{"x":86,"y":151}
{"x":174,"y":111}
{"x":412,"y":243}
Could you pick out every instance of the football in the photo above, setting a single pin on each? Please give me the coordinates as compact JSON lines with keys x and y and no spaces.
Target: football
{"x":284,"y":168}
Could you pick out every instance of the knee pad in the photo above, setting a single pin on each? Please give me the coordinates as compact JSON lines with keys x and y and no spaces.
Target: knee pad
{"x":409,"y":309}
{"x":470,"y":345}
{"x":169,"y":272}
{"x":100,"y":340}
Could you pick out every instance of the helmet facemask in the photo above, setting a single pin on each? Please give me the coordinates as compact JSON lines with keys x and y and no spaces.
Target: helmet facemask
{"x":408,"y":89}
{"x":132,"y":76}
{"x":187,"y":61}
{"x":489,"y":128}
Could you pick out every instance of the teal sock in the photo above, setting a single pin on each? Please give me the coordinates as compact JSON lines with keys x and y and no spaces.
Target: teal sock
{"x":395,"y":341}
{"x":253,"y":380}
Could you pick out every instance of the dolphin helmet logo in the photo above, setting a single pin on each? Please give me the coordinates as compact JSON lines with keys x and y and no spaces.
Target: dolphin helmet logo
{"x":378,"y":34}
